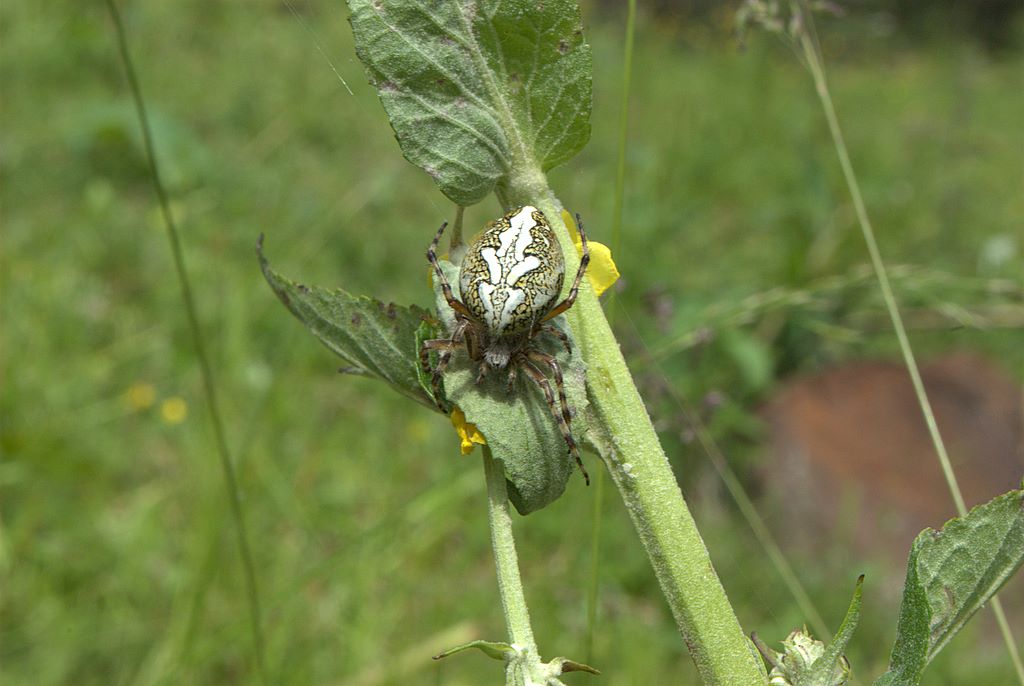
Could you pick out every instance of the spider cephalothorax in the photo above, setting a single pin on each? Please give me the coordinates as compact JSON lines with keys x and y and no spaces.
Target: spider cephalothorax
{"x":509,"y":285}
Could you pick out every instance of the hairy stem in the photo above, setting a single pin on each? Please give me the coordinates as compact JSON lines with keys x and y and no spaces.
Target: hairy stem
{"x":639,"y":468}
{"x":593,"y":585}
{"x":506,"y":562}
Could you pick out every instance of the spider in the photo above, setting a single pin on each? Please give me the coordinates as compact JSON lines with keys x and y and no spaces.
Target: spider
{"x":509,"y":282}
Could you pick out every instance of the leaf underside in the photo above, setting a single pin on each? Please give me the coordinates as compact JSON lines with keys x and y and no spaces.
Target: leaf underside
{"x":372,"y":338}
{"x":951,"y":574}
{"x":519,"y":426}
{"x":476,"y":88}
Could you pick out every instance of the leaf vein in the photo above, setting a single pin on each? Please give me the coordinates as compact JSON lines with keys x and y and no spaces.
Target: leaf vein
{"x":463,"y":88}
{"x":495,"y":146}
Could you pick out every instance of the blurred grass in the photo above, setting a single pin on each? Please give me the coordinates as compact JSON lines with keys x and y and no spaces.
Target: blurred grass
{"x":117,"y":563}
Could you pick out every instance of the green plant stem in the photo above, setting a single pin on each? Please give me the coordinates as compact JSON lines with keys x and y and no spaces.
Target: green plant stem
{"x":595,"y":566}
{"x":455,"y":236}
{"x":641,"y":472}
{"x":506,"y":563}
{"x":206,"y":371}
{"x":817,"y":69}
{"x":620,"y":168}
{"x":629,"y":446}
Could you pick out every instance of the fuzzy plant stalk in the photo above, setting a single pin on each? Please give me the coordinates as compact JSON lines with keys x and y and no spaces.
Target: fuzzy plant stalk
{"x":629,"y":447}
{"x":510,"y":585}
{"x":523,"y":655}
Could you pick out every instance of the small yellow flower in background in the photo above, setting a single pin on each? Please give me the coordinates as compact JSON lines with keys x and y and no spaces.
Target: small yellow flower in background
{"x":140,"y":396}
{"x":174,"y":410}
{"x":417,"y":429}
{"x":468,"y":434}
{"x":601,"y":272}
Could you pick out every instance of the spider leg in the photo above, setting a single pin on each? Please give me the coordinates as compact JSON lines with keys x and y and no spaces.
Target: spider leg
{"x":556,"y":371}
{"x":584,"y":261}
{"x":559,"y":334}
{"x":453,"y":302}
{"x":561,"y":418}
{"x":482,"y":371}
{"x":426,"y":347}
{"x":446,"y":346}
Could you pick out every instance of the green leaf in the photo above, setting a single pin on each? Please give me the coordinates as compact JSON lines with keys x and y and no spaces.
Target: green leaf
{"x":951,"y":573}
{"x":806,"y":661}
{"x":497,"y":650}
{"x":831,"y":666}
{"x":565,"y":665}
{"x":374,"y":339}
{"x":477,"y":90}
{"x":518,"y":425}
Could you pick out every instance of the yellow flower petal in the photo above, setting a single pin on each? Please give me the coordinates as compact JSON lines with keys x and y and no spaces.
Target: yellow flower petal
{"x":468,"y":434}
{"x":601,"y":272}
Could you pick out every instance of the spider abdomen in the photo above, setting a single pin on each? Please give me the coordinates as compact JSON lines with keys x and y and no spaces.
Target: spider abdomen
{"x":512,"y":274}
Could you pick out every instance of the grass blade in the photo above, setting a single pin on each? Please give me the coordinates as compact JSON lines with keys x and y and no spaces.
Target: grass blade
{"x":815,"y":64}
{"x":209,"y":388}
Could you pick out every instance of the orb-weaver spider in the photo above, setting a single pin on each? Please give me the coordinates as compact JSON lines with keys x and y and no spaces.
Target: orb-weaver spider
{"x":509,"y":283}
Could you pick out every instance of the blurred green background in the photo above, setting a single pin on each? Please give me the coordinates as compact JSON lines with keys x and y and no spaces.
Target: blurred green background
{"x":118,"y":562}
